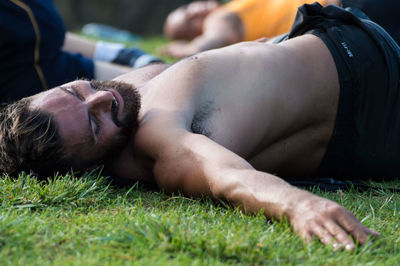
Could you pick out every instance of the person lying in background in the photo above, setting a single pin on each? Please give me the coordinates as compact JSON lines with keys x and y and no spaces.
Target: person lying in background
{"x":204,"y":25}
{"x":36,"y":53}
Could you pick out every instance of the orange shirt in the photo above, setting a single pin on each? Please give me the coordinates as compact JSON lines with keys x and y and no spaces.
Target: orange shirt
{"x":266,"y":18}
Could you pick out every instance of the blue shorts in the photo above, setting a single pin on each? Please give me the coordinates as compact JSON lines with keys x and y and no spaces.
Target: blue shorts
{"x":31,"y":59}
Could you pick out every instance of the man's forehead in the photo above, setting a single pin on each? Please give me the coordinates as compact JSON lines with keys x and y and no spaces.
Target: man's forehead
{"x":37,"y":98}
{"x":54,"y":94}
{"x":47,"y":99}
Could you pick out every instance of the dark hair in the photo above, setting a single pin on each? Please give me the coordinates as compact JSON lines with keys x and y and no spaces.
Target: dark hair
{"x":30,"y":141}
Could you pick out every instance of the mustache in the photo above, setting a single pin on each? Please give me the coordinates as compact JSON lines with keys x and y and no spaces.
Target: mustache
{"x":100,"y":86}
{"x":114,"y":118}
{"x":125,"y":118}
{"x":114,"y":114}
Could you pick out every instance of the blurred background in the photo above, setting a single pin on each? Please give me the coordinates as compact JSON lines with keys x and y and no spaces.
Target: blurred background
{"x":144,"y":17}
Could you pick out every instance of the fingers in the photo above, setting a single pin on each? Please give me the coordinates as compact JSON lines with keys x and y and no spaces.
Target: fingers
{"x":324,"y":235}
{"x":372,"y":233}
{"x":339,"y":231}
{"x":354,"y":228}
{"x":346,"y":229}
{"x":329,"y":233}
{"x":342,"y":238}
{"x":308,"y":236}
{"x":331,"y":223}
{"x":169,"y":51}
{"x":178,"y":49}
{"x":172,"y":47}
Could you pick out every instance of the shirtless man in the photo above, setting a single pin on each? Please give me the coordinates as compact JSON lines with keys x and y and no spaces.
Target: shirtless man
{"x":224,"y":122}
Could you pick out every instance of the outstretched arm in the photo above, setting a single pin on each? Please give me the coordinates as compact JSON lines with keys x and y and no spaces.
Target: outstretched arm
{"x":196,"y":166}
{"x":221,"y":28}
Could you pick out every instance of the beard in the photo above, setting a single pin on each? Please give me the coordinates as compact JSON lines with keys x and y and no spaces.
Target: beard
{"x":130,"y":96}
{"x":129,"y":115}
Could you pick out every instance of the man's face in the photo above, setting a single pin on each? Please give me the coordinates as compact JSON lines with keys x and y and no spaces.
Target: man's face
{"x":94,"y":118}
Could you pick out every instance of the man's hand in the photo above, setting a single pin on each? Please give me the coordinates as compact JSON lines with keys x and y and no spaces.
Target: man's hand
{"x":331,"y":223}
{"x":179,"y":49}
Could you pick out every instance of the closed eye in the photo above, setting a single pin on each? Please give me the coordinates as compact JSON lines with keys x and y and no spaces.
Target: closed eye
{"x":94,"y":123}
{"x":72,"y":90}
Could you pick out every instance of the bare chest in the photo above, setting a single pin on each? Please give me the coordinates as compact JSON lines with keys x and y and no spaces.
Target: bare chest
{"x":294,"y":150}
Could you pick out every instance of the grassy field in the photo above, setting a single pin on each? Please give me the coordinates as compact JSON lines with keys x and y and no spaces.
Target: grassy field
{"x":85,"y":221}
{"x":70,"y":220}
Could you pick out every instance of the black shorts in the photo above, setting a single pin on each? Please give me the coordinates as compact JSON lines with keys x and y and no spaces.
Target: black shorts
{"x":384,"y":12}
{"x":366,"y":137}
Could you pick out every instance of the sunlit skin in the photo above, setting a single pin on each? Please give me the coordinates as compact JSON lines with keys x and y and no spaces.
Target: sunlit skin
{"x":84,"y":116}
{"x":257,"y":111}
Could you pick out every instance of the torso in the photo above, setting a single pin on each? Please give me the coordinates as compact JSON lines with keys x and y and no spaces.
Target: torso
{"x":253,"y":100}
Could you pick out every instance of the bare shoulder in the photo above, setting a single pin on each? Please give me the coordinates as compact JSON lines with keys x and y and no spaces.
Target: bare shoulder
{"x":157,"y":139}
{"x":158,"y":131}
{"x":161,"y":139}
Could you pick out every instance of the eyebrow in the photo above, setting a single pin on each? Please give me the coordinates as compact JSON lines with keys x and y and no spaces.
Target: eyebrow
{"x":75,"y":94}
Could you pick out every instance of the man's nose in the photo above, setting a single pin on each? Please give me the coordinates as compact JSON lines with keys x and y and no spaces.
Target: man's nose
{"x":100,"y":101}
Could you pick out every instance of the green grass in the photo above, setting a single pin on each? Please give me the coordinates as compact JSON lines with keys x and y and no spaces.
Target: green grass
{"x":72,"y":220}
{"x":85,"y":221}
